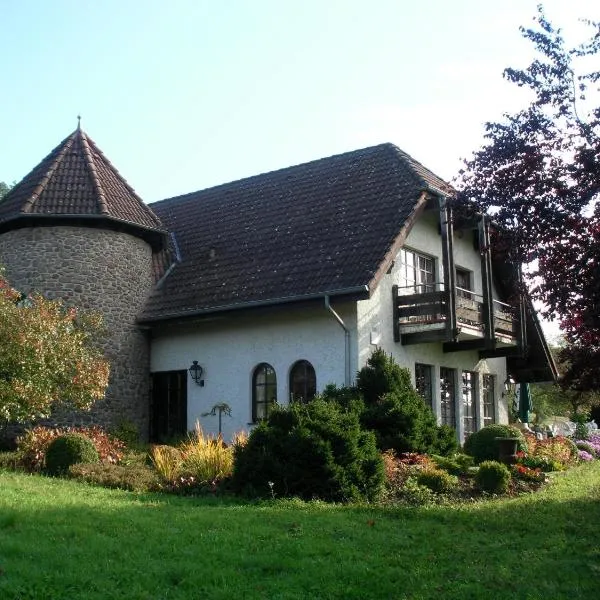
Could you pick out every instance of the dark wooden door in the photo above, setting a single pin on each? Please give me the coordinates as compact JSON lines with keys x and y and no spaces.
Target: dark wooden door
{"x":168,"y":416}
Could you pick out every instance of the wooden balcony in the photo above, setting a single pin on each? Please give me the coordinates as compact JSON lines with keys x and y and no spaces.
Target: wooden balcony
{"x":426,"y":317}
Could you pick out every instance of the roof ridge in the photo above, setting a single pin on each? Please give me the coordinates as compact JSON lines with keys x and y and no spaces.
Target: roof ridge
{"x":93,"y":172}
{"x":280,"y":170}
{"x":39,"y":188}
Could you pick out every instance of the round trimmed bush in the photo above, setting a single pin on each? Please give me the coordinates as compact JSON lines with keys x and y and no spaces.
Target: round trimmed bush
{"x":493,"y":477}
{"x":437,"y":480}
{"x":482,"y":445}
{"x":67,"y":450}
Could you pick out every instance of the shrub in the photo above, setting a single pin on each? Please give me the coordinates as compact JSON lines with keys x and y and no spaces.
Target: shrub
{"x":413,"y":494}
{"x":206,"y":459}
{"x":135,"y":478}
{"x":314,"y":450}
{"x":9,"y":460}
{"x":67,"y":450}
{"x":492,"y":477}
{"x":583,"y":445}
{"x":128,"y":433}
{"x":438,"y":481}
{"x":559,"y":448}
{"x":396,"y":412}
{"x":482,"y":445}
{"x":167,"y":461}
{"x":455,"y":465}
{"x":33,"y":444}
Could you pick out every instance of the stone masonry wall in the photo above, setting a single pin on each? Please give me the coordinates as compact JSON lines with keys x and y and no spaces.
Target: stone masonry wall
{"x":98,"y":270}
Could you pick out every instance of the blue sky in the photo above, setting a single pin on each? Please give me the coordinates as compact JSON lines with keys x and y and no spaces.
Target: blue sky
{"x":186,"y":94}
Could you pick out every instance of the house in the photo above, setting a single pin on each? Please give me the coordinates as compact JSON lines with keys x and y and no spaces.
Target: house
{"x":269,"y":288}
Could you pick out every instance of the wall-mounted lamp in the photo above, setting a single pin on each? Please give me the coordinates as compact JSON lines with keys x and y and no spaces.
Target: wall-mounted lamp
{"x":509,"y":386}
{"x":196,"y":373}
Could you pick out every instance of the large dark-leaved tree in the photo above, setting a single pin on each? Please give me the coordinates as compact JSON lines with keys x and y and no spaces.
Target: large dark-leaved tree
{"x":538,"y":173}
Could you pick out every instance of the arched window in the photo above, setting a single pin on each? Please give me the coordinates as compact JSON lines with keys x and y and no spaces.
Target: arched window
{"x":264,"y":391}
{"x":303,"y":382}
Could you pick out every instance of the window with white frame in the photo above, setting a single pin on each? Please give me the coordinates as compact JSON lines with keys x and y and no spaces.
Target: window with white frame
{"x":417,"y":272}
{"x":448,"y":396}
{"x":488,"y":390}
{"x":469,"y":400}
{"x":424,"y":383}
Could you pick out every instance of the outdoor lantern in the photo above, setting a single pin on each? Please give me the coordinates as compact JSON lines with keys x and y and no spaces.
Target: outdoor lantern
{"x":196,"y":373}
{"x":509,"y":386}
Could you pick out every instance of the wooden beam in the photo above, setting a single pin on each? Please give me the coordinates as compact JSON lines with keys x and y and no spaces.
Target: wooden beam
{"x":499,"y":352}
{"x":446,"y":229}
{"x":477,"y":344}
{"x":423,"y":337}
{"x":395,"y":315}
{"x":486,"y":277}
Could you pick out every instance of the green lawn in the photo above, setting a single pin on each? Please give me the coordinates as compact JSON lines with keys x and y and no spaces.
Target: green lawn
{"x":65,"y":540}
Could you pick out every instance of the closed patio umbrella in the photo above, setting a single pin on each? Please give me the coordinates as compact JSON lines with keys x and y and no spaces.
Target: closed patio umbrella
{"x":525,"y":402}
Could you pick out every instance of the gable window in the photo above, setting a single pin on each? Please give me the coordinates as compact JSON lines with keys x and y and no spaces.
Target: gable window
{"x":423,"y":383}
{"x":448,"y":396}
{"x":489,"y":403}
{"x":416,"y":272}
{"x":264,"y":391}
{"x":303,"y":382}
{"x":469,"y":387}
{"x":463,"y":283}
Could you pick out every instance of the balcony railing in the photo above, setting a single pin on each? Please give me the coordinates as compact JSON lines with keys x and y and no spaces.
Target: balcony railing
{"x":427,"y":304}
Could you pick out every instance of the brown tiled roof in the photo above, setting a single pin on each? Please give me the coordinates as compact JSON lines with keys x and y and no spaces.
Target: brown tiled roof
{"x":76,"y":179}
{"x":325,"y":227}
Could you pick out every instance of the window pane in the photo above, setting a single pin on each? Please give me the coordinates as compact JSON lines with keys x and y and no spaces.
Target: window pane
{"x":264,"y":391}
{"x":469,"y":387}
{"x":423,"y":383}
{"x":303,"y":382}
{"x":489,"y":409}
{"x":447,"y":397}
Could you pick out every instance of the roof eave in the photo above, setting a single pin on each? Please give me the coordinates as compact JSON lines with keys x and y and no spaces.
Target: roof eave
{"x":356,"y":293}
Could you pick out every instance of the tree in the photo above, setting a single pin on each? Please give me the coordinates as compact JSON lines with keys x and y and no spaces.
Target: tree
{"x":47,"y":357}
{"x":538,"y":173}
{"x":4,"y":189}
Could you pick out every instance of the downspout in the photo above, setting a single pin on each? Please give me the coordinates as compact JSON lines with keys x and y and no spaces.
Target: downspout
{"x":346,"y":339}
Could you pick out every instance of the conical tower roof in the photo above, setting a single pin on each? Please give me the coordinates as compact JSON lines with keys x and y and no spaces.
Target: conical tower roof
{"x":76,"y":182}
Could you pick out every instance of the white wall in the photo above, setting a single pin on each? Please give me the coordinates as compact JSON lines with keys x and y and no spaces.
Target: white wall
{"x":229,"y":348}
{"x":375,"y":321}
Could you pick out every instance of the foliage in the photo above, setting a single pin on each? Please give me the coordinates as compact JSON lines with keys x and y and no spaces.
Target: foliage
{"x":69,"y":449}
{"x":4,"y":189}
{"x":314,"y":450}
{"x":48,"y":357}
{"x":525,"y":473}
{"x":128,"y":433}
{"x":438,"y":480}
{"x":206,"y":459}
{"x":167,"y":461}
{"x":396,"y":412}
{"x":492,"y":477}
{"x":584,"y":445}
{"x":33,"y":444}
{"x":482,"y":445}
{"x":554,"y":449}
{"x":136,"y":478}
{"x":455,"y":465}
{"x":539,"y":174}
{"x":9,"y":460}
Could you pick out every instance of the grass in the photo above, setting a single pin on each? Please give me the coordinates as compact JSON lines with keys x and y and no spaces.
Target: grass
{"x":63,"y":539}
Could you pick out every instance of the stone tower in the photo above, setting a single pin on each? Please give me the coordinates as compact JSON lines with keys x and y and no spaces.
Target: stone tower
{"x":74,"y":229}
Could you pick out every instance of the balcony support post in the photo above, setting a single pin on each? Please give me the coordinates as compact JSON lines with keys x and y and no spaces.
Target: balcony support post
{"x":446,"y":228}
{"x":486,"y":277}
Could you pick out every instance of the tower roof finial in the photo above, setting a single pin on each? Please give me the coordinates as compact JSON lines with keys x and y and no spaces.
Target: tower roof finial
{"x":78,"y":122}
